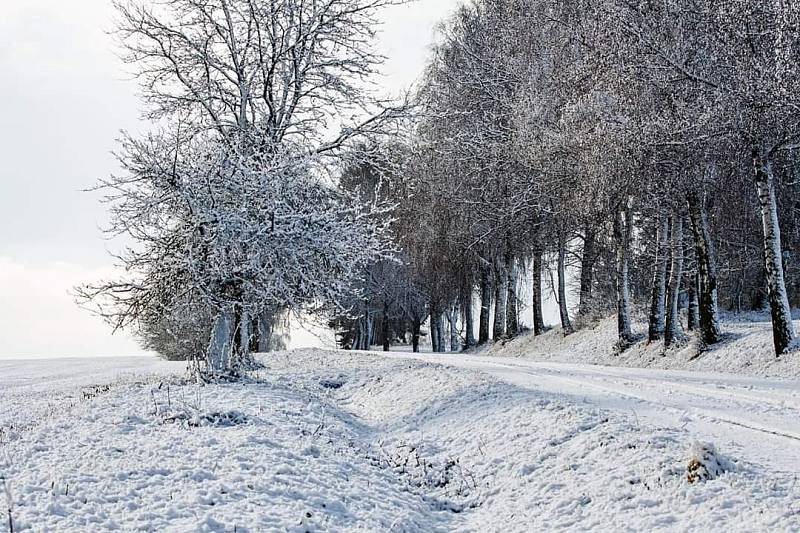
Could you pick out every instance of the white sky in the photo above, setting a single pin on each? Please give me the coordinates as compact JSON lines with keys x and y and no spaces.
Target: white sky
{"x":64,"y":96}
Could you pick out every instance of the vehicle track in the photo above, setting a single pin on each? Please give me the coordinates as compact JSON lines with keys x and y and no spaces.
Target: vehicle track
{"x":758,"y":418}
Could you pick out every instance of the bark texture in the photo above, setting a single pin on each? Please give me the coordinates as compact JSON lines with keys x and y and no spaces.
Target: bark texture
{"x":782,"y":327}
{"x":707,"y":307}
{"x":588,"y":258}
{"x":673,"y":330}
{"x":623,"y":223}
{"x":693,"y":319}
{"x":469,"y":318}
{"x":385,"y":327}
{"x":416,"y":326}
{"x":655,"y":328}
{"x":452,"y":319}
{"x":500,"y":294}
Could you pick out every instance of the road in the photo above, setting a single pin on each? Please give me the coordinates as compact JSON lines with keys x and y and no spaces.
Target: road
{"x":754,"y":419}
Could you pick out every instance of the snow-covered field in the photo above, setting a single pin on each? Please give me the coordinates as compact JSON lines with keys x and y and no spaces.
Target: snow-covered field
{"x":336,"y":441}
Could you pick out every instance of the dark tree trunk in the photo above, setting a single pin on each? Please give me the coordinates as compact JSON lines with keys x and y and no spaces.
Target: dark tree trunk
{"x":486,"y":304}
{"x":469,"y":318}
{"x":588,"y":258}
{"x":236,"y":351}
{"x":385,"y":327}
{"x":416,"y":326}
{"x":500,"y":293}
{"x":538,"y":318}
{"x":434,"y":336}
{"x":440,"y":345}
{"x":710,"y":330}
{"x":673,"y":330}
{"x":655,"y":329}
{"x":563,"y":311}
{"x":782,"y":326}
{"x":694,"y":305}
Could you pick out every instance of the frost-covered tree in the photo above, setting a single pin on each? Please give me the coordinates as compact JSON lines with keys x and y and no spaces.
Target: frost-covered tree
{"x":742,"y":57}
{"x":230,"y":203}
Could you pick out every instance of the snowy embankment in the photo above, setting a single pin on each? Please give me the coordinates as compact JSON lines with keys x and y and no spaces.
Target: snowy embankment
{"x":746,"y":348}
{"x":334,"y":441}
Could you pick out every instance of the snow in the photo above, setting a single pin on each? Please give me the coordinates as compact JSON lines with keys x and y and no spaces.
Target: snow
{"x":746,"y":348}
{"x":31,"y":389}
{"x":340,"y":441}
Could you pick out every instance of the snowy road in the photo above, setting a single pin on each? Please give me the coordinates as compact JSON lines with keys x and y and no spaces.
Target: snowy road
{"x":748,"y":418}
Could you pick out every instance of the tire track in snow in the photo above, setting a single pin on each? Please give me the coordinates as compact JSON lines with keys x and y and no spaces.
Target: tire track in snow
{"x":761,"y":436}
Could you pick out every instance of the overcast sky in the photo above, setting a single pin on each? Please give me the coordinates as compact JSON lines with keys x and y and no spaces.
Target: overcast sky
{"x":64,"y":96}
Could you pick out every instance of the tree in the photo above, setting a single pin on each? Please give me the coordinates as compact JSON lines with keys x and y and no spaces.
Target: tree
{"x":230,"y":204}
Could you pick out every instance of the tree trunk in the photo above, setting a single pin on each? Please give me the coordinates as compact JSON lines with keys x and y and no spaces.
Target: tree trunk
{"x":266,"y":326}
{"x":673,"y":330}
{"x":694,"y":305}
{"x":244,"y":336}
{"x":385,"y":326}
{"x":370,"y":336}
{"x":469,"y":319}
{"x":436,"y":327}
{"x":356,"y":345}
{"x":782,"y":327}
{"x":452,"y":319}
{"x":512,"y":308}
{"x":563,"y":311}
{"x":416,"y":326}
{"x":486,"y":304}
{"x":218,"y":355}
{"x":655,"y":329}
{"x":623,"y":221}
{"x":710,"y":330}
{"x":437,"y":333}
{"x":434,"y":335}
{"x":587,"y":271}
{"x":500,"y":293}
{"x":538,"y":319}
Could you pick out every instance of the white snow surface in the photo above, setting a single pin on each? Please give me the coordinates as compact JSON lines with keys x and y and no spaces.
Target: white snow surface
{"x":340,"y":441}
{"x":33,"y":389}
{"x":746,"y":348}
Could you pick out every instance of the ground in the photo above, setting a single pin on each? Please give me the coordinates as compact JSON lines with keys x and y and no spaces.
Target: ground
{"x":339,"y":441}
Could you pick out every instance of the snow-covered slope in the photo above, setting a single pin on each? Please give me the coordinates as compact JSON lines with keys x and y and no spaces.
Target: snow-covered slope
{"x":746,"y":349}
{"x":335,"y":441}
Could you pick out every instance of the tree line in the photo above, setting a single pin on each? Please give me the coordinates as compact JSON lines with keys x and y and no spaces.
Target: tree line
{"x":646,"y":149}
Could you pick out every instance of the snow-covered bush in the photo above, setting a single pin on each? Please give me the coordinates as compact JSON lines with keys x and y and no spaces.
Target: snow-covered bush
{"x":196,"y":418}
{"x":704,"y":463}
